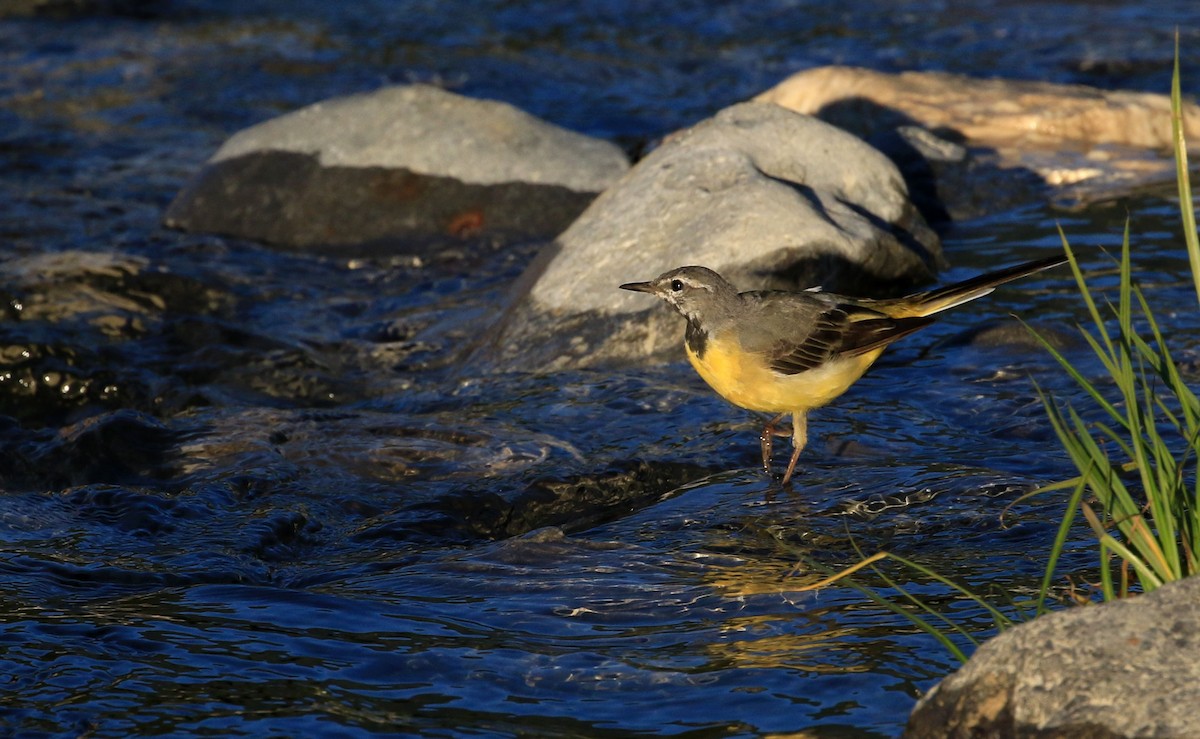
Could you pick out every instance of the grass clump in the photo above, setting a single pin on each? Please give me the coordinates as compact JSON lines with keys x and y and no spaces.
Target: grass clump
{"x":1139,"y":461}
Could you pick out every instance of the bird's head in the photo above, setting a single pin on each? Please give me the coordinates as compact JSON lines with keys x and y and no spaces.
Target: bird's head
{"x":698,"y":293}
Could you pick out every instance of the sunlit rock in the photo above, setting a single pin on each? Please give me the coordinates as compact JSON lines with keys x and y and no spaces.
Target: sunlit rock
{"x":765,"y":196}
{"x":1083,"y":143}
{"x":1124,"y":669}
{"x":401,"y":163}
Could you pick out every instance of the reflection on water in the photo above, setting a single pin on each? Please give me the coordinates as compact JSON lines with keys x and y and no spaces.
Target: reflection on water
{"x":251,"y":493}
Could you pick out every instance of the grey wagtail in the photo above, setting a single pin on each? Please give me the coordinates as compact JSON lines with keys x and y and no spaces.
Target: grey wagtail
{"x":789,"y":352}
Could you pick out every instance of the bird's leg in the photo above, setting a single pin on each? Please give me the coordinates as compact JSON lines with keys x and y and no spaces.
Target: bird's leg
{"x":799,"y":439}
{"x":767,"y":440}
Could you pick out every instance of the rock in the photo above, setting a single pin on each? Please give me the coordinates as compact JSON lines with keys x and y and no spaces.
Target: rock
{"x":267,"y":446}
{"x":949,"y":181}
{"x":65,"y":319}
{"x":994,"y":112}
{"x":770,"y":198}
{"x":402,"y":163}
{"x":117,"y":447}
{"x":1082,"y":142}
{"x":1123,"y":669}
{"x":1013,"y":335}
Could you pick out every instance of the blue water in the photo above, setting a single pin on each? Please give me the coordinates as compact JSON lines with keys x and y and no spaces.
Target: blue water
{"x":250,"y":493}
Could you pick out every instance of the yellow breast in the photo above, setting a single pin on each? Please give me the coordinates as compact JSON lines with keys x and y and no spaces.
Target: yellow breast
{"x":744,"y":379}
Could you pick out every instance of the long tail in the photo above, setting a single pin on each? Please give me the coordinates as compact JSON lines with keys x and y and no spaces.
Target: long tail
{"x":944,"y":298}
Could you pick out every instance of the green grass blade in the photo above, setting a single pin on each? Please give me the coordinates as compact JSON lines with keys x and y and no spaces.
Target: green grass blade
{"x":940,"y":635}
{"x":1060,"y":541}
{"x":1002,"y":622}
{"x":1125,"y":293}
{"x":1086,"y":294}
{"x":1187,"y":208}
{"x":916,"y":620}
{"x":1146,"y":574}
{"x":1075,"y":374}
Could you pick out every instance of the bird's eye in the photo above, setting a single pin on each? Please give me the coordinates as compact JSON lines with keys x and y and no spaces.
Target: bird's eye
{"x":677,"y":285}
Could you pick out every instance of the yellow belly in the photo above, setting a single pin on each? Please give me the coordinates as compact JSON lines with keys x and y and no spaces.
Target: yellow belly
{"x":744,"y":380}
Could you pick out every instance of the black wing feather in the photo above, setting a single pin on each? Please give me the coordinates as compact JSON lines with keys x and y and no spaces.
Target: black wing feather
{"x":842,"y":329}
{"x":822,"y":343}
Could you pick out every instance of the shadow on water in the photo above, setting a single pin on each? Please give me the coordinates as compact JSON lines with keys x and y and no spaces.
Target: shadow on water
{"x":245,"y":492}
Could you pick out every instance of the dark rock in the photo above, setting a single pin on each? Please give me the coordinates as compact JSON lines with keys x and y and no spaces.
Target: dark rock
{"x":68,"y":319}
{"x":413,"y":163}
{"x":122,"y":447}
{"x":1013,"y":335}
{"x":575,"y":504}
{"x":763,"y":195}
{"x":290,"y":199}
{"x":1123,"y":669}
{"x":949,"y":181}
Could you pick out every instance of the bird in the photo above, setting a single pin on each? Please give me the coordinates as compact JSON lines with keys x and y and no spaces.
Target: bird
{"x":781,"y":352}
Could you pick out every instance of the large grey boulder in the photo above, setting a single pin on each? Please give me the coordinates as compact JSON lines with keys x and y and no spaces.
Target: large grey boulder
{"x":766,"y":196}
{"x":402,"y":163}
{"x":1124,"y":669}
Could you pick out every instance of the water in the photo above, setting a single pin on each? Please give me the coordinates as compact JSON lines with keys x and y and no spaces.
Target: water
{"x":248,"y":492}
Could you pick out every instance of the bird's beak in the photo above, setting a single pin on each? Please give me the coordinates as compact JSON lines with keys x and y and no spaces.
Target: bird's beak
{"x":640,"y":287}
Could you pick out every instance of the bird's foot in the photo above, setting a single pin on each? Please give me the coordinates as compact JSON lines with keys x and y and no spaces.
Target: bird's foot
{"x":767,"y":440}
{"x":791,"y":468}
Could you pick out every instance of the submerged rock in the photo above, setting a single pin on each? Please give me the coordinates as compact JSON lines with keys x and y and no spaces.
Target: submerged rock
{"x":436,"y":476}
{"x":122,"y":447}
{"x":1124,"y":669}
{"x":768,"y":197}
{"x":1082,"y":143}
{"x":404,"y":162}
{"x":77,"y":330}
